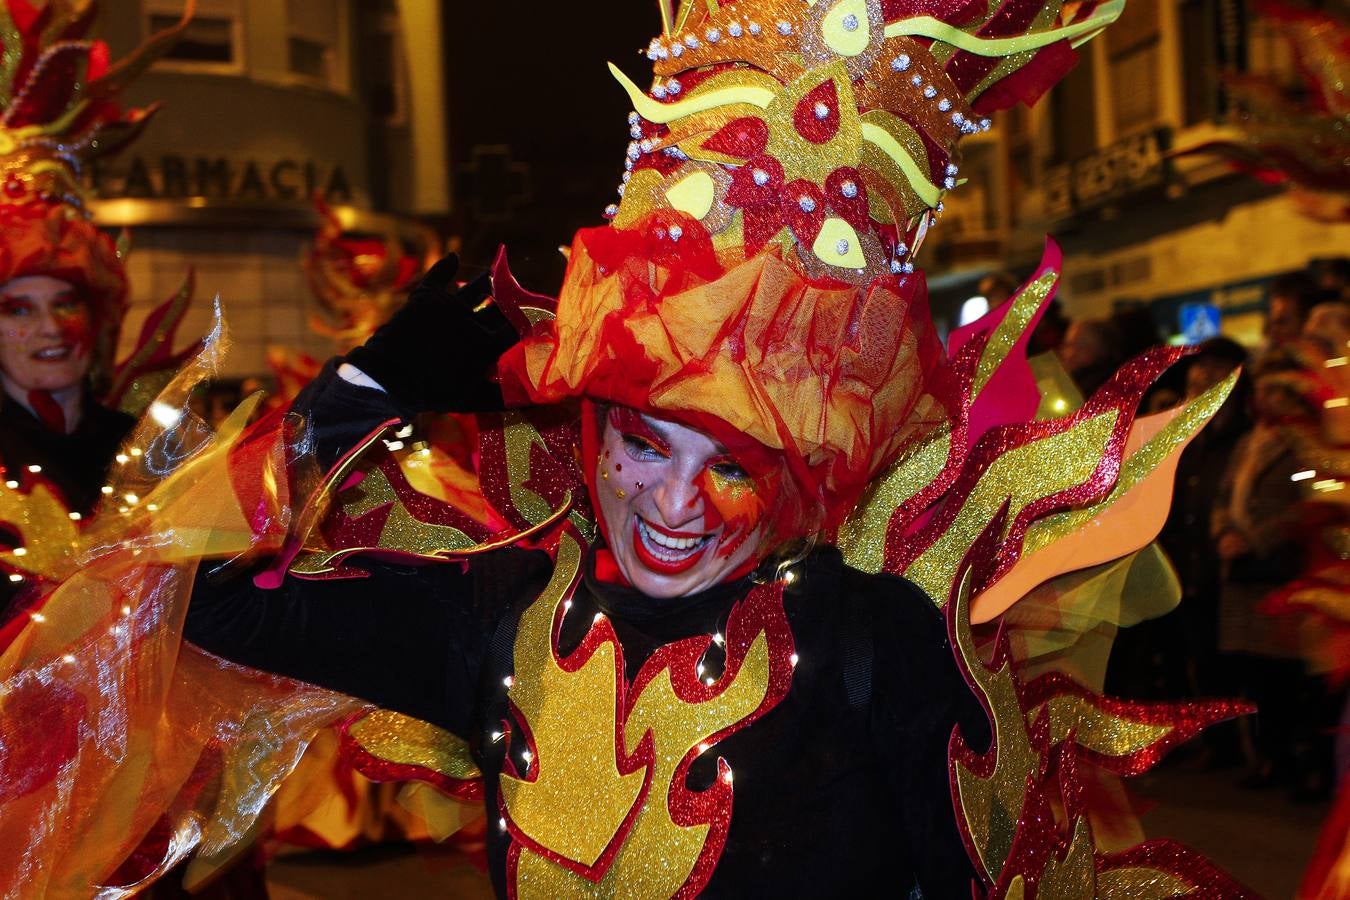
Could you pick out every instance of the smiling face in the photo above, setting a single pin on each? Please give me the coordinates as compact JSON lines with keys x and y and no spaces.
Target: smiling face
{"x":46,"y":334}
{"x":680,"y":513}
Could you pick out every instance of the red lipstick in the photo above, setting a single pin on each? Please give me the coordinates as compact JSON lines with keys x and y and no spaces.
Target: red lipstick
{"x":656,"y":560}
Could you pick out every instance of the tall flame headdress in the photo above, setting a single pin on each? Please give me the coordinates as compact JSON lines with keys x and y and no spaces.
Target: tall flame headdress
{"x":757,"y":277}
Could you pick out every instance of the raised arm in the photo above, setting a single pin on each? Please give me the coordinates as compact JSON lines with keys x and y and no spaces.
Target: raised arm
{"x":437,"y":354}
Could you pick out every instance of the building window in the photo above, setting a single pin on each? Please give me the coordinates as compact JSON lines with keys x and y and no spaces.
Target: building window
{"x":211,"y":41}
{"x":1132,"y":51}
{"x":313,"y":41}
{"x":1072,"y":103}
{"x":386,"y":74}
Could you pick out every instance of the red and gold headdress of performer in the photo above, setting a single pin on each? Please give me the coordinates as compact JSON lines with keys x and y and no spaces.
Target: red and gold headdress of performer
{"x":758,"y":277}
{"x":58,"y":110}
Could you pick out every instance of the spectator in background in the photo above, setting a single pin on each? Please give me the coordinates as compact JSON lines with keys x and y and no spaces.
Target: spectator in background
{"x":1332,"y":274}
{"x":1256,"y":528}
{"x":998,"y":288}
{"x":1050,"y":330}
{"x":1290,"y":299}
{"x":1091,"y":353}
{"x":1177,"y":655}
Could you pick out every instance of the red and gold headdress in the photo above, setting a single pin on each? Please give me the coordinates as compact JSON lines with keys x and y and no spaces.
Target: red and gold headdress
{"x":757,"y":277}
{"x":58,"y":109}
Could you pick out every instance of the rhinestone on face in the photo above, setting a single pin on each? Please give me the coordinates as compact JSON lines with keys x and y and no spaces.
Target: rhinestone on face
{"x":713,"y":35}
{"x":896,"y":267}
{"x":674,"y":86}
{"x":957,"y":118}
{"x":901,"y":62}
{"x":633,"y":151}
{"x":849,"y":189}
{"x":691,"y":42}
{"x":951,"y":168}
{"x":841,"y":247}
{"x":677,"y":50}
{"x":735,"y":30}
{"x":611,"y":211}
{"x":822,"y":111}
{"x":930,"y":92}
{"x":659,"y":92}
{"x":944,"y":104}
{"x":676,"y":232}
{"x":916,"y":80}
{"x":850,"y":22}
{"x":949,"y":182}
{"x":761,"y":177}
{"x":986,"y":124}
{"x":785,"y":28}
{"x":754,"y":28}
{"x":807,"y":204}
{"x":633,"y":117}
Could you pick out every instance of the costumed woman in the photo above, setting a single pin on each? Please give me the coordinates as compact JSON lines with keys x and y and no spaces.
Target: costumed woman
{"x":63,"y":286}
{"x":681,"y":687}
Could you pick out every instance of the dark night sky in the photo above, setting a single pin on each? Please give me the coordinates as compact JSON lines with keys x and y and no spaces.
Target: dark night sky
{"x":537,"y":82}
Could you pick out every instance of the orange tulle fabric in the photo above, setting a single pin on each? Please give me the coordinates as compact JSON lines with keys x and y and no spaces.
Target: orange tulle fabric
{"x":833,"y":376}
{"x":122,"y":747}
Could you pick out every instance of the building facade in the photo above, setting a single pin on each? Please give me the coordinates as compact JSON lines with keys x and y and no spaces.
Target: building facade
{"x":1093,"y":164}
{"x":266,"y":103}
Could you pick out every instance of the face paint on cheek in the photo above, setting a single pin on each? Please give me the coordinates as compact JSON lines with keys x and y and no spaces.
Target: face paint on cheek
{"x":737,"y":503}
{"x":77,"y":330}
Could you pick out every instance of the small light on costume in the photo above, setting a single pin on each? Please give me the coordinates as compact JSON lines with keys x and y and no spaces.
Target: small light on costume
{"x":107,"y":489}
{"x":39,"y":618}
{"x":11,"y":484}
{"x":599,"y":617}
{"x":1060,"y":405}
{"x":1333,"y":403}
{"x":152,"y":507}
{"x":35,"y":469}
{"x":972,"y":309}
{"x":726,"y":777}
{"x":497,"y":736}
{"x":793,"y":660}
{"x":16,"y":578}
{"x":126,"y":610}
{"x":393,"y":446}
{"x":1330,"y":484}
{"x":164,"y":415}
{"x":718,"y":639}
{"x":699,"y":670}
{"x":1303,"y":476}
{"x":501,"y":823}
{"x":135,"y":451}
{"x":789,"y":576}
{"x":75,"y":517}
{"x":567,"y":606}
{"x":404,"y":432}
{"x":131,"y":499}
{"x":1337,"y":362}
{"x":508,"y":681}
{"x":703,"y":747}
{"x":121,"y":461}
{"x":68,"y":658}
{"x":20,"y":551}
{"x":710,"y":681}
{"x":527,"y":756}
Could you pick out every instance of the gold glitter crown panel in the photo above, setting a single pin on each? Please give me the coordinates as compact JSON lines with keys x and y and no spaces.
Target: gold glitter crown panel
{"x":829,"y":128}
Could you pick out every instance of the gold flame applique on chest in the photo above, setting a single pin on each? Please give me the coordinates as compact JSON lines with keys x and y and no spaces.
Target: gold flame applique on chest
{"x":603,"y":808}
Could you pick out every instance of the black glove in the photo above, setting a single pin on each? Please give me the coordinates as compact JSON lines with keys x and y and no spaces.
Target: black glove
{"x":436,"y":353}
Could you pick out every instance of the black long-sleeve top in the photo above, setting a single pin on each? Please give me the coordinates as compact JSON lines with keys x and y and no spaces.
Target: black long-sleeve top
{"x":842,"y":789}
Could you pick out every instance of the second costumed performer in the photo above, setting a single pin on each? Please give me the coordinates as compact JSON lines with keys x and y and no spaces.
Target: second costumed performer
{"x":681,"y":688}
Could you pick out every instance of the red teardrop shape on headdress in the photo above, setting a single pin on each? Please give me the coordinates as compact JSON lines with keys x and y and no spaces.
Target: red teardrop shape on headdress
{"x":760,"y":180}
{"x":804,"y":209}
{"x":817,"y":115}
{"x":744,"y":137}
{"x":848,"y":195}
